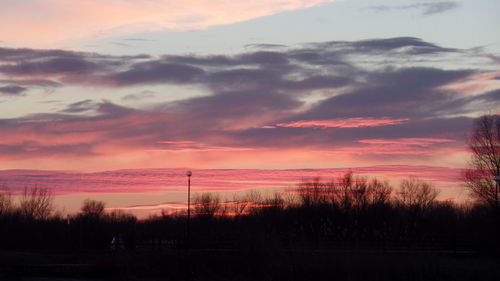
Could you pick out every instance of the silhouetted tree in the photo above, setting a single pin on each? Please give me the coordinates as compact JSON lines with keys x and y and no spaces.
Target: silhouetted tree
{"x":5,"y":202}
{"x":379,"y":193}
{"x":414,"y":192}
{"x":207,"y":204}
{"x":92,"y":208}
{"x":239,"y":205}
{"x":36,"y":203}
{"x":484,"y":175}
{"x":312,"y":193}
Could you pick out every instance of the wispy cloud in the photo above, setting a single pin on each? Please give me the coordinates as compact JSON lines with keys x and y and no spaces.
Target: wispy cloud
{"x":160,"y":206}
{"x":56,"y":21}
{"x":407,"y":141}
{"x":342,"y":123}
{"x":426,"y":8}
{"x":174,"y":180}
{"x":13,"y":90}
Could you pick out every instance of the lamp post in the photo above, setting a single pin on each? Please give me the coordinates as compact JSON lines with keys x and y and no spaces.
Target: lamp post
{"x":189,"y":174}
{"x":497,"y":184}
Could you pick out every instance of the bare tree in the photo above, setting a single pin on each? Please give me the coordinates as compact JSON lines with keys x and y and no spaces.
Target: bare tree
{"x":255,"y":200}
{"x":36,"y":203}
{"x":92,"y":208}
{"x":239,"y":205}
{"x":414,"y":192}
{"x":484,"y":175}
{"x":379,"y":192}
{"x":207,"y":204}
{"x":275,"y":201}
{"x":5,"y":202}
{"x":341,"y":192}
{"x":312,"y":193}
{"x":349,"y":191}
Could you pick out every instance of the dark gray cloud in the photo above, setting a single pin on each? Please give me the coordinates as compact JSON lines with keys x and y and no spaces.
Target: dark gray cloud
{"x":24,"y":54}
{"x":265,"y":46}
{"x":426,"y":8}
{"x":17,"y":55}
{"x":215,"y":60}
{"x":264,"y":58}
{"x":251,"y":58}
{"x":407,"y":93}
{"x":51,"y":66}
{"x":121,"y":44}
{"x":494,"y":58}
{"x":228,"y":106}
{"x":81,"y":106}
{"x":33,"y":82}
{"x":248,"y":94}
{"x":403,"y":45}
{"x":438,"y":7}
{"x":492,"y":96}
{"x":155,"y":72}
{"x":12,"y":90}
{"x":274,"y":70}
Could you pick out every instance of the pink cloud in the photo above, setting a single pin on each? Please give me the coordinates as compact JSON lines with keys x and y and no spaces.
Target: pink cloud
{"x":158,"y":207}
{"x":194,"y":146}
{"x":174,"y":180}
{"x":356,"y":122}
{"x":475,"y":84}
{"x":407,"y":141}
{"x":410,"y":148}
{"x":36,"y":22}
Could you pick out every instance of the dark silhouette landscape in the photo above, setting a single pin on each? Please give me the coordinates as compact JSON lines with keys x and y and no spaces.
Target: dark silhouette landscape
{"x":351,"y":229}
{"x":347,"y":228}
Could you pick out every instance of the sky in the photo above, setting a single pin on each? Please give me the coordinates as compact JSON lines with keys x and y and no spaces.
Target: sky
{"x":138,"y":89}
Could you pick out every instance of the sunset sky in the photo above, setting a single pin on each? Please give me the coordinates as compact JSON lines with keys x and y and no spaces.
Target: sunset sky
{"x":98,"y":98}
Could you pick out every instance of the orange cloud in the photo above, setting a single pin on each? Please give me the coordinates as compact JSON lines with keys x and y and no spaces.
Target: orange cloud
{"x":49,"y":21}
{"x":342,"y":123}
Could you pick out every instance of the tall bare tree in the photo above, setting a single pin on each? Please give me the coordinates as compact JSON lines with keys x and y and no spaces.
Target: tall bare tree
{"x":37,"y":203}
{"x":483,"y":176}
{"x":5,"y":202}
{"x":92,"y":208}
{"x":207,"y":204}
{"x":416,"y":193}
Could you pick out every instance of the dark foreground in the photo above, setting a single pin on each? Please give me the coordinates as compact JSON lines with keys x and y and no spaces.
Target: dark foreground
{"x":349,"y":229}
{"x":249,"y":265}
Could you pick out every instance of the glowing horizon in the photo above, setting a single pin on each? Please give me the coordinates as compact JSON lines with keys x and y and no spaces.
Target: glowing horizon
{"x":149,"y":191}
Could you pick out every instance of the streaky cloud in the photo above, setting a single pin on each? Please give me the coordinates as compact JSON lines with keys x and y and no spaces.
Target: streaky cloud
{"x":173,"y":180}
{"x":343,"y":123}
{"x":12,"y":90}
{"x":426,"y":8}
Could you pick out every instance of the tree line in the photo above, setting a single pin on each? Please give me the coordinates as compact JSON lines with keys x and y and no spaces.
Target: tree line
{"x":346,"y":212}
